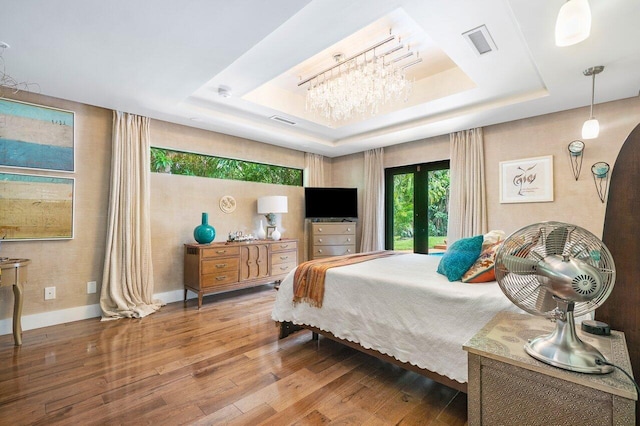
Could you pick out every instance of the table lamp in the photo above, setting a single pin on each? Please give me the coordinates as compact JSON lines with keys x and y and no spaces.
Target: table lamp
{"x":269,"y":206}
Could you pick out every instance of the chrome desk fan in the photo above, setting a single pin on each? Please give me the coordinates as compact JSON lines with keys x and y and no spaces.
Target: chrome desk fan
{"x":559,"y":271}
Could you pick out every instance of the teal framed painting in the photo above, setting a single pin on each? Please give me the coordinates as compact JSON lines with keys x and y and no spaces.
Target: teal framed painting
{"x":36,"y":137}
{"x":34,"y":207}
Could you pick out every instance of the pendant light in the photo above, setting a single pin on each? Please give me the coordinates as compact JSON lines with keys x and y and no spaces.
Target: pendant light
{"x":591,"y":127}
{"x":574,"y":22}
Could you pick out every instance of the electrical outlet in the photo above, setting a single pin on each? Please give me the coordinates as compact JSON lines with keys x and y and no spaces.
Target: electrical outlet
{"x":91,"y":287}
{"x":49,"y":293}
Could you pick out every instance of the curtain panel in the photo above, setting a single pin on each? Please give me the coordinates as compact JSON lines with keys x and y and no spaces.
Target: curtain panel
{"x":468,"y":199}
{"x":127,"y":280}
{"x":373,"y":201}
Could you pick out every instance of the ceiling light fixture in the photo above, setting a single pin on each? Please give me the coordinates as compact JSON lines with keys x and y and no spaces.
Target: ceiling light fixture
{"x":361,"y":83}
{"x":574,"y":23}
{"x":591,"y":127}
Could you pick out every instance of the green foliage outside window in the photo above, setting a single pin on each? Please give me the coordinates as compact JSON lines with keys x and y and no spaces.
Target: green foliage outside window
{"x":191,"y":164}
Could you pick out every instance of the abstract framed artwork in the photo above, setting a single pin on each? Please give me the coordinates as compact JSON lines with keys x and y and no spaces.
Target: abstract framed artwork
{"x":529,"y":180}
{"x":36,"y":137}
{"x":36,"y":207}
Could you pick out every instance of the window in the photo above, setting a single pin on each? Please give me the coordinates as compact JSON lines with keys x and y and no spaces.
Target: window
{"x":417,"y":200}
{"x":192,"y":164}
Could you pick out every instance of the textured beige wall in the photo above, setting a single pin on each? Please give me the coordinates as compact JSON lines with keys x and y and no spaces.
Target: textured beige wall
{"x":176,"y":202}
{"x":69,"y":264}
{"x":574,"y":202}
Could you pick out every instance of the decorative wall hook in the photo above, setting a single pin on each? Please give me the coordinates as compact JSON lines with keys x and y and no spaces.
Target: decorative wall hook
{"x":600,"y":172}
{"x":576,"y":149}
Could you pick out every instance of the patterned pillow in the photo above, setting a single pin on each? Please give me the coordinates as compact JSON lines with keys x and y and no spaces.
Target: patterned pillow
{"x":459,"y":257}
{"x":483,"y":270}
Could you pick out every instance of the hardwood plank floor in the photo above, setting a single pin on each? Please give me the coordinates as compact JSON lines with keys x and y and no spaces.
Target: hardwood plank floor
{"x":223,"y":364}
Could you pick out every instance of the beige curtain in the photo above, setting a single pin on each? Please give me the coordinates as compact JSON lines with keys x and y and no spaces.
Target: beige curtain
{"x":313,"y":176}
{"x":313,"y":170}
{"x":467,"y":198}
{"x":373,"y":201}
{"x":127,"y":279}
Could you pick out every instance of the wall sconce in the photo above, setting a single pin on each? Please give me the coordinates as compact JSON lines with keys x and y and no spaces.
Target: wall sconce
{"x":576,"y":149}
{"x":573,"y":24}
{"x":600,"y":172}
{"x":591,"y":127}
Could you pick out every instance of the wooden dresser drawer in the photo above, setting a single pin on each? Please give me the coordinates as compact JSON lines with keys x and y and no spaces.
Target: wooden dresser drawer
{"x":284,"y":246}
{"x":283,"y":268}
{"x":213,"y":280}
{"x":278,"y":258}
{"x":220,"y":265}
{"x":333,"y":250}
{"x":333,"y":240}
{"x":219,"y":251}
{"x":334,"y":228}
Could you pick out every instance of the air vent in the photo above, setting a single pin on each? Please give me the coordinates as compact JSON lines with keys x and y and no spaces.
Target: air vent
{"x":283,"y":120}
{"x":480,"y":40}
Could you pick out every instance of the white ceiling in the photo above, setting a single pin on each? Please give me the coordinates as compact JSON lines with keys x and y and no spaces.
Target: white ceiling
{"x":166,"y":59}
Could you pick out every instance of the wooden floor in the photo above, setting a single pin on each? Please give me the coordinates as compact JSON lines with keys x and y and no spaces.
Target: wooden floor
{"x":221,"y":365}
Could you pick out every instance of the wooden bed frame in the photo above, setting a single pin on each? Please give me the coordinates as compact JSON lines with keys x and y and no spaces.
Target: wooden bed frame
{"x":286,"y":328}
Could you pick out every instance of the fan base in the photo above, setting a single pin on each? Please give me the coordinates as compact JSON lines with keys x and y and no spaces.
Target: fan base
{"x":564,"y":349}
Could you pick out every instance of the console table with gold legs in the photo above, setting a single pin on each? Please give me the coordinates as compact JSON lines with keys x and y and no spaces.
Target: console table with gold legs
{"x":14,"y":273}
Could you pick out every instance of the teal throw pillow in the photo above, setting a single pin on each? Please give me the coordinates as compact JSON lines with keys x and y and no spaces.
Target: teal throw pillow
{"x":460,"y":257}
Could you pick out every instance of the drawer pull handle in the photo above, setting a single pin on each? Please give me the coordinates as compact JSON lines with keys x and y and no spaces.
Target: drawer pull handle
{"x":349,"y":251}
{"x":348,"y":229}
{"x":319,"y":250}
{"x":348,"y":240}
{"x":319,"y":240}
{"x":284,"y":257}
{"x":221,"y":277}
{"x":221,"y":251}
{"x":284,"y":246}
{"x":221,"y":265}
{"x":284,"y":268}
{"x":319,"y":229}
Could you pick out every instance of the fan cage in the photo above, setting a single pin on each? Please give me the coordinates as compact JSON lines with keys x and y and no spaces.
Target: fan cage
{"x":531,"y":244}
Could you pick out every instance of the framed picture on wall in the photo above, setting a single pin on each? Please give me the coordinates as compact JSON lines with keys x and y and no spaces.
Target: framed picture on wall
{"x":36,"y":207}
{"x":36,"y":136}
{"x":529,"y":180}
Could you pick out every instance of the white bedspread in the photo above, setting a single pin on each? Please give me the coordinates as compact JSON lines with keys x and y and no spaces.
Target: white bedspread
{"x":402,"y":307}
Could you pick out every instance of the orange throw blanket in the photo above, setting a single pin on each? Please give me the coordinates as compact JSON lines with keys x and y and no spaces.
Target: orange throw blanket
{"x":308,"y":281}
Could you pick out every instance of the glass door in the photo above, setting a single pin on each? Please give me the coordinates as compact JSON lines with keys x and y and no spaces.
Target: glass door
{"x":416,"y":204}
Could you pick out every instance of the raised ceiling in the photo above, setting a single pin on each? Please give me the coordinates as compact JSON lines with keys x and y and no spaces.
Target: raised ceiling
{"x":167,"y":60}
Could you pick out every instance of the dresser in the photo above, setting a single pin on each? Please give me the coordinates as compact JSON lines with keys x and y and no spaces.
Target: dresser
{"x":220,"y":267}
{"x":509,"y":387}
{"x":332,"y":239}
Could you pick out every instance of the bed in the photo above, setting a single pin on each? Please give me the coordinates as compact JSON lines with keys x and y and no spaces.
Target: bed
{"x":400,"y":308}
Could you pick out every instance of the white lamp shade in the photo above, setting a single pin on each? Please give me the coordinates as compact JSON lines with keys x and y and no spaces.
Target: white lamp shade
{"x":590,"y":129}
{"x":272,"y":204}
{"x":574,"y":22}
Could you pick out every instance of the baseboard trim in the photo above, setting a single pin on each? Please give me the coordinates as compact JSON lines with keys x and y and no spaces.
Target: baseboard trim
{"x":46,"y":319}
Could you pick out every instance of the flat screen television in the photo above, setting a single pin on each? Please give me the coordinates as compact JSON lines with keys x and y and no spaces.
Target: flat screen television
{"x":331,"y":202}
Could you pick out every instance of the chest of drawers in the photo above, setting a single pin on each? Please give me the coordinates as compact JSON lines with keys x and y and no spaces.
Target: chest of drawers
{"x":332,"y":239}
{"x":220,"y":267}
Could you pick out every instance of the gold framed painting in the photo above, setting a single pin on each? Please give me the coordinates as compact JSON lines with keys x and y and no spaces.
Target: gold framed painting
{"x":36,"y":207}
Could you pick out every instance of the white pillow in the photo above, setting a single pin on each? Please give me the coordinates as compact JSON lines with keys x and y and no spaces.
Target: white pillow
{"x":492,"y":237}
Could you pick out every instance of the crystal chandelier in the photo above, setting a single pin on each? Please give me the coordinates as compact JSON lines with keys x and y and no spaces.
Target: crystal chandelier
{"x":360,"y":84}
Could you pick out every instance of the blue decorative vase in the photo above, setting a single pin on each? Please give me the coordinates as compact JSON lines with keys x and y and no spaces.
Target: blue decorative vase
{"x":204,"y":233}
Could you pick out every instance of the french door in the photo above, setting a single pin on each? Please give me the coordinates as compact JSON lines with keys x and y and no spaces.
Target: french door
{"x":416,"y":207}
